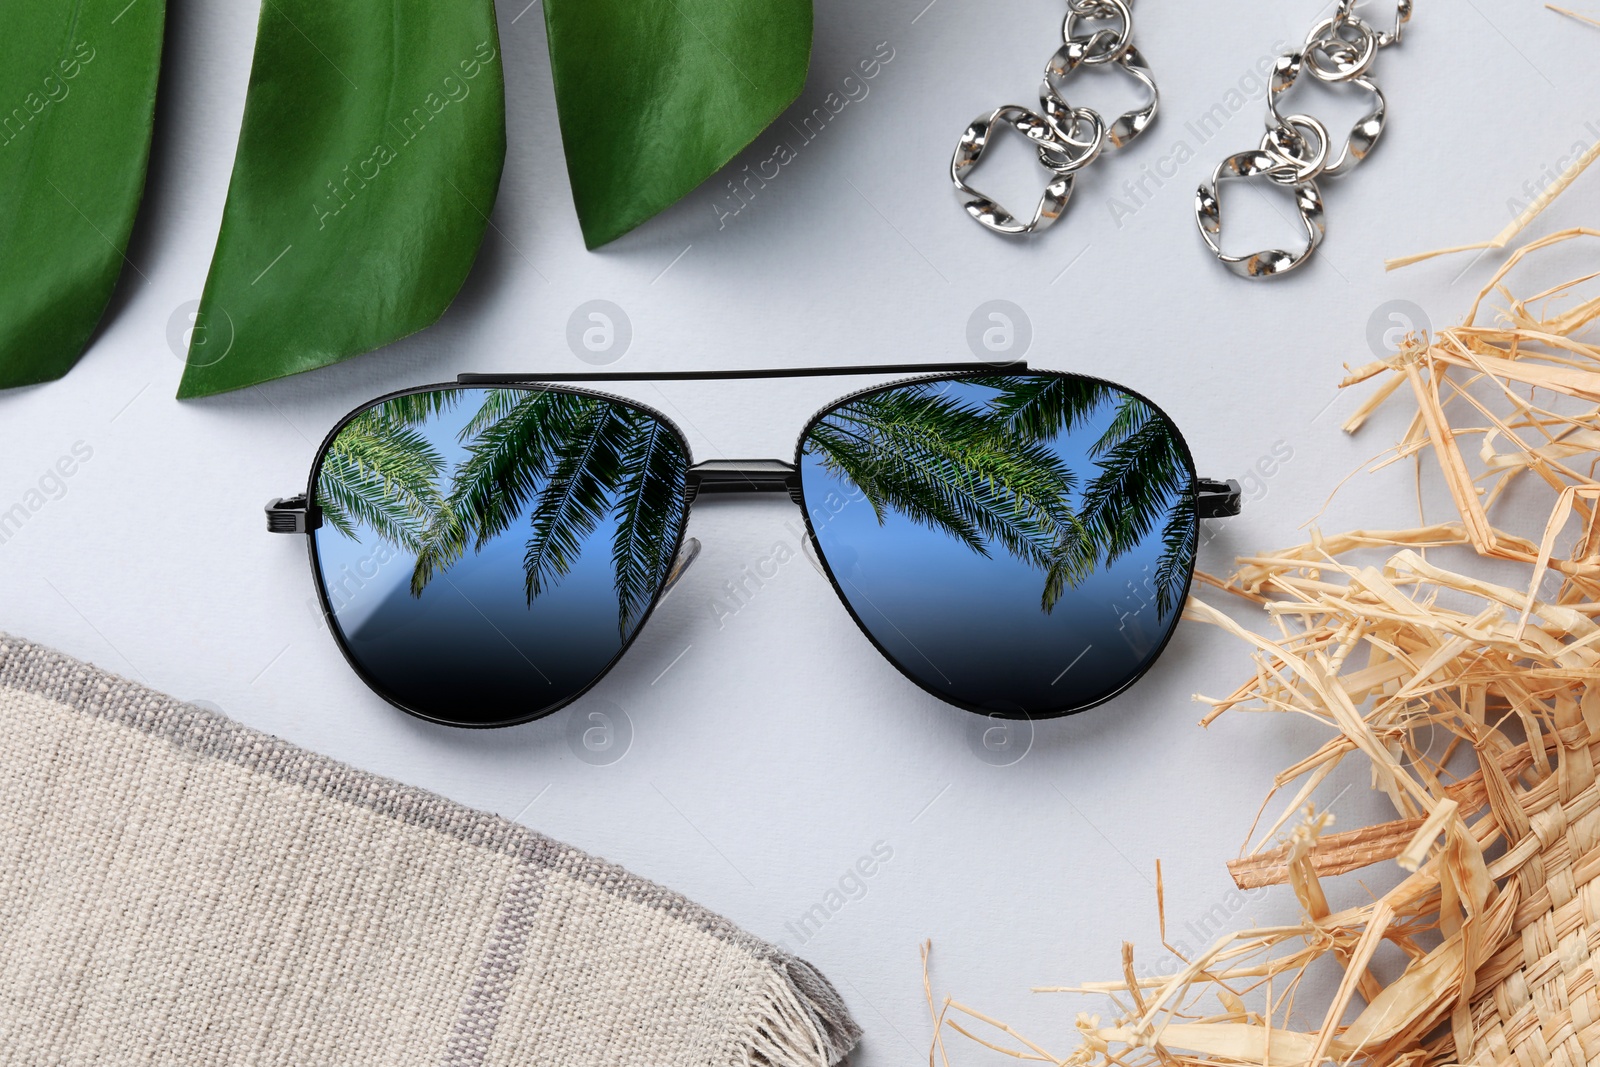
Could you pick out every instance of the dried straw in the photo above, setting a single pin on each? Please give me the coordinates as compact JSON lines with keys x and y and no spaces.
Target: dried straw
{"x":1573,"y":14}
{"x":1472,"y":630}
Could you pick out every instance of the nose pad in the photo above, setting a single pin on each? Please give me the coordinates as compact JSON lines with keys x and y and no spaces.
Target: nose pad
{"x":809,"y":548}
{"x":685,"y":558}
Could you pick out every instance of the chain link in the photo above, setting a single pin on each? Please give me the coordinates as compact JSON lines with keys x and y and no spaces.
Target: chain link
{"x":1298,"y":149}
{"x":1067,"y":138}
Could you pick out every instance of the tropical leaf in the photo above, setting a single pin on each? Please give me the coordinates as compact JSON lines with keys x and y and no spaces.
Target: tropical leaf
{"x":981,"y":470}
{"x":987,"y":474}
{"x":499,"y":404}
{"x":1142,"y":483}
{"x":510,"y":455}
{"x":367,"y":166}
{"x":1141,"y":475}
{"x":1043,"y":407}
{"x":383,"y":474}
{"x":588,"y":467}
{"x":939,"y":462}
{"x":568,"y":460}
{"x":656,"y":95}
{"x":509,"y":441}
{"x":417,"y":409}
{"x":77,"y":104}
{"x":649,"y":515}
{"x":1176,"y":562}
{"x":1131,"y":414}
{"x":441,"y":544}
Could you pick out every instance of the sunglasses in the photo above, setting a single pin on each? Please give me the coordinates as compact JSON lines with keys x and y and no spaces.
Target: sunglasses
{"x":1018,"y":543}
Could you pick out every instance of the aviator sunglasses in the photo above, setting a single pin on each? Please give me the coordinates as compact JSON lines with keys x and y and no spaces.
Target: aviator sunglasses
{"x":1016,"y":542}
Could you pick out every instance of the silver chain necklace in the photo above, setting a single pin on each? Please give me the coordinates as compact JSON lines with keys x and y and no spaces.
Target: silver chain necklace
{"x":1067,"y":138}
{"x":1297,"y":149}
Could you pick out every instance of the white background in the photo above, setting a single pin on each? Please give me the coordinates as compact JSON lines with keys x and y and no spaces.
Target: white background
{"x":770,"y":752}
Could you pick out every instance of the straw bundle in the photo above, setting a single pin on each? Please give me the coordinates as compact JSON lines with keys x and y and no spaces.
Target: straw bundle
{"x":1470,"y":630}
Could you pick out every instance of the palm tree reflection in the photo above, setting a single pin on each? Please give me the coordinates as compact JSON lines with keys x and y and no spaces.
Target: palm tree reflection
{"x":382,"y":471}
{"x":977,"y":465}
{"x":569,"y":462}
{"x":985,"y":470}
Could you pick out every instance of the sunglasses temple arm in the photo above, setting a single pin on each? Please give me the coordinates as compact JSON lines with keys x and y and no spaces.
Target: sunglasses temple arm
{"x":1217,"y":499}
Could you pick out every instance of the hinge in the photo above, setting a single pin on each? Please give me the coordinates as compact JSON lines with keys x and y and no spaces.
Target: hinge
{"x":1218,"y":499}
{"x":292,"y":515}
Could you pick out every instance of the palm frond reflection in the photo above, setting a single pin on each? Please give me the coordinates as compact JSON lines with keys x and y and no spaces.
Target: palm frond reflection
{"x":563,"y":463}
{"x":983,"y":467}
{"x":979,"y":459}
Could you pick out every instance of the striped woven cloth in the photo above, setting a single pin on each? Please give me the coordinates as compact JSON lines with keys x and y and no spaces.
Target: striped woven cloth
{"x":177,"y":889}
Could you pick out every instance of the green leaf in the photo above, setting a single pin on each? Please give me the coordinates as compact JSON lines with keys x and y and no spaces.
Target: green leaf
{"x":656,"y":95}
{"x":649,"y":514}
{"x":77,"y":101}
{"x":587,"y":469}
{"x":371,"y":150}
{"x":381,"y":473}
{"x":939,"y":463}
{"x":1043,"y":407}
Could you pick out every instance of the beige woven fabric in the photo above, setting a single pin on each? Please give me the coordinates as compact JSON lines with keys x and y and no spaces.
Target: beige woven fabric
{"x":177,"y":889}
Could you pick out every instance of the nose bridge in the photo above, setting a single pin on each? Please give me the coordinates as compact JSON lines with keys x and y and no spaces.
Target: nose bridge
{"x":715,"y":476}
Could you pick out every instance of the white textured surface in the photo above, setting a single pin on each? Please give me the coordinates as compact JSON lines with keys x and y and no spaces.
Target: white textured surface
{"x":770,"y":752}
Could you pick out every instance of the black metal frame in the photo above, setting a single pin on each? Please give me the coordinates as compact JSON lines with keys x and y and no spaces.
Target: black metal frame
{"x":300,"y":515}
{"x":1001,"y":367}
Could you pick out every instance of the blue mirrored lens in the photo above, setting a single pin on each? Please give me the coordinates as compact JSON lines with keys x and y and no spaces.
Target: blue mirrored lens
{"x":1017,"y":544}
{"x":486,"y":554}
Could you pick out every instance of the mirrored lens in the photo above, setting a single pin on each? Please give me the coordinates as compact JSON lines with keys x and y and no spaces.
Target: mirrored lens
{"x":1017,"y":544}
{"x":486,"y":554}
